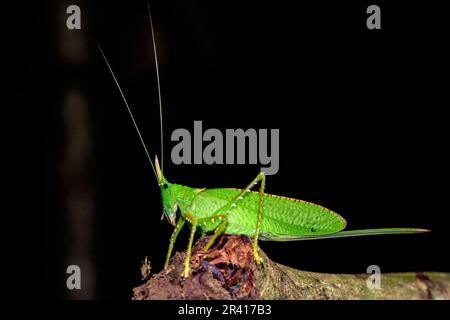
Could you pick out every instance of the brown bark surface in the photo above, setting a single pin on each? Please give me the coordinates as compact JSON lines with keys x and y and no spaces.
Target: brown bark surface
{"x":228,"y":271}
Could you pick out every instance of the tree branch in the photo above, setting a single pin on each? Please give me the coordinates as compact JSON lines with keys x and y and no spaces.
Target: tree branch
{"x":228,"y":271}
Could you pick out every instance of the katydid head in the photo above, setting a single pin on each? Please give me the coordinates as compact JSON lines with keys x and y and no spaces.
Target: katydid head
{"x":170,"y":205}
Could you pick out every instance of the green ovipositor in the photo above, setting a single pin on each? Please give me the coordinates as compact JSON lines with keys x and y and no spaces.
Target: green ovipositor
{"x":242,"y":211}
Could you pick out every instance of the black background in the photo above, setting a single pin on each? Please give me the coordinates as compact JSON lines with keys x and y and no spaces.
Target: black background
{"x":360,"y":113}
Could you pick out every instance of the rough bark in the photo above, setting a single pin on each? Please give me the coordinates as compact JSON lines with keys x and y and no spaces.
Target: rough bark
{"x":228,"y":271}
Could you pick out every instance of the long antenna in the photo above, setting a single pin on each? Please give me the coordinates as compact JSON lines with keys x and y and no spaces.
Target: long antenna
{"x":128,"y":108}
{"x":159,"y":86}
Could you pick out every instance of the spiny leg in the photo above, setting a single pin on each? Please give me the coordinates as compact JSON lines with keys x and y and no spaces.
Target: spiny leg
{"x":218,"y":230}
{"x":193,"y":220}
{"x":261,"y":177}
{"x":173,"y":237}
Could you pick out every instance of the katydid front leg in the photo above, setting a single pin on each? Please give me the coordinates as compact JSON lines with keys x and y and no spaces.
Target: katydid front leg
{"x":173,"y":238}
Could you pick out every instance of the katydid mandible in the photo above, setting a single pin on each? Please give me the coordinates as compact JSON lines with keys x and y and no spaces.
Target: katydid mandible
{"x":255,"y":214}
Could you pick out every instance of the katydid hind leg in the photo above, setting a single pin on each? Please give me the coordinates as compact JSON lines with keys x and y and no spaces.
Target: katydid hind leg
{"x":261,"y":177}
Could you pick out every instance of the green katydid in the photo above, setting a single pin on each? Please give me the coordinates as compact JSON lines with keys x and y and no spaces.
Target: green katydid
{"x":241,"y":211}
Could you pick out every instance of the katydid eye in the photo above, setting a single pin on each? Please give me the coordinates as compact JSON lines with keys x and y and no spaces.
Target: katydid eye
{"x":165,"y":185}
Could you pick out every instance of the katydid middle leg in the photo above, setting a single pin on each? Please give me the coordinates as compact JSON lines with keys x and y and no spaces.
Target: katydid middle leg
{"x":193,"y":220}
{"x":219,"y":229}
